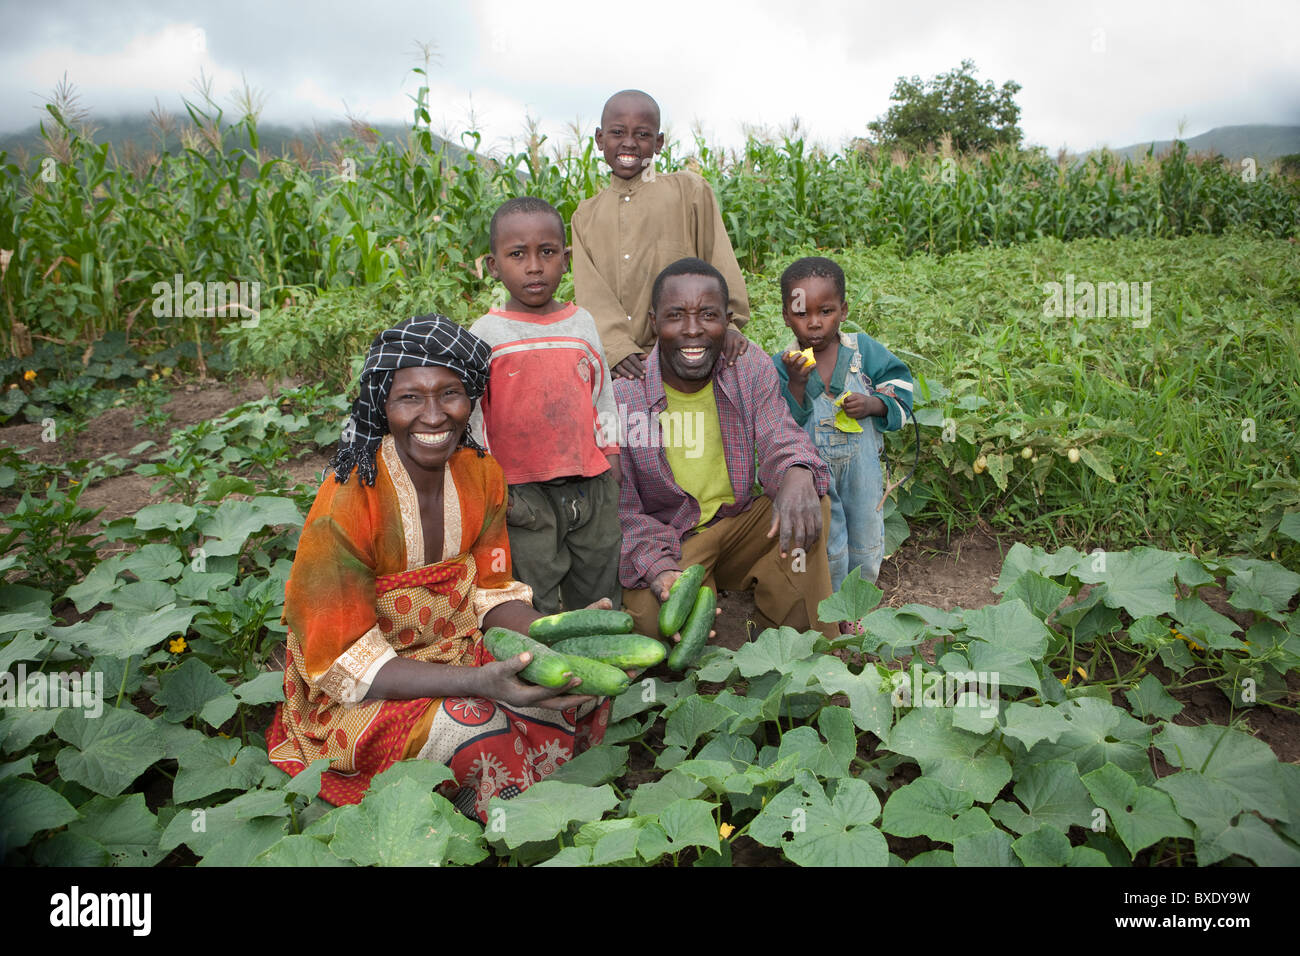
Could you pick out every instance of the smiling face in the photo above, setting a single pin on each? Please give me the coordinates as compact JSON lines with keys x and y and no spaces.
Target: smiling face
{"x":530,"y":259}
{"x":427,"y":410}
{"x":691,"y":323}
{"x":814,"y":310}
{"x":629,"y":134}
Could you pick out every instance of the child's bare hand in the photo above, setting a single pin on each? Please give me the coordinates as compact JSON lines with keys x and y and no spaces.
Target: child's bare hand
{"x":857,"y":405}
{"x":631,"y":367}
{"x":797,"y":367}
{"x":734,"y":345}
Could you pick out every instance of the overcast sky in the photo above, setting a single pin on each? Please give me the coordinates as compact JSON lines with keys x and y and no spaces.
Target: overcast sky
{"x":1093,"y":73}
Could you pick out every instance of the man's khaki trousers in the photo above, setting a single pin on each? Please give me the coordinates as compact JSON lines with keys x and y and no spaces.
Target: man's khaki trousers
{"x":738,"y":555}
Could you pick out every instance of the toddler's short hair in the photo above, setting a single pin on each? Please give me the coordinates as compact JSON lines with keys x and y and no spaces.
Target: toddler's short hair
{"x":521,"y":204}
{"x":811,"y":267}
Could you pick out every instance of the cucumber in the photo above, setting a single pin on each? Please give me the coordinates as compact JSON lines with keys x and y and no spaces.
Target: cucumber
{"x":546,"y":669}
{"x":598,"y":679}
{"x":617,"y":650}
{"x":556,"y":627}
{"x":681,"y":598}
{"x":695,"y":632}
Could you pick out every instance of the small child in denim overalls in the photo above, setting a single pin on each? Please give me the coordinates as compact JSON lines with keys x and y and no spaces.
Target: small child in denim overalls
{"x":851,"y":377}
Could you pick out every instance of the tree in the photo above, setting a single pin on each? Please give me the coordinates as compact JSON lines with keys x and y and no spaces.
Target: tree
{"x":977,"y":117}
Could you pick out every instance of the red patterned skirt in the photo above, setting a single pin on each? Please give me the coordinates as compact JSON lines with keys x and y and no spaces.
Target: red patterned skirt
{"x":492,"y":748}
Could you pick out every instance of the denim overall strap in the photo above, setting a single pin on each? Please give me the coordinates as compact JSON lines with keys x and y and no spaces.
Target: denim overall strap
{"x":860,"y":485}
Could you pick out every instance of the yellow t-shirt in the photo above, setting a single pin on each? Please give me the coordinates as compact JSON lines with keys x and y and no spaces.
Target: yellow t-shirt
{"x":692,"y":441}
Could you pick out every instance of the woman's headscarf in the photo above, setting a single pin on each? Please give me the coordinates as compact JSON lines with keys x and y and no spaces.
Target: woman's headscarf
{"x":421,"y":341}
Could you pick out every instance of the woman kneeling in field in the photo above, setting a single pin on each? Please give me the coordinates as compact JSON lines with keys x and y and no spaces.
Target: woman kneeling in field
{"x":402,"y":562}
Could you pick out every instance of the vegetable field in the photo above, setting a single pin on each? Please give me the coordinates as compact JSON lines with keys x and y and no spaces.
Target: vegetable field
{"x":1126,"y":695}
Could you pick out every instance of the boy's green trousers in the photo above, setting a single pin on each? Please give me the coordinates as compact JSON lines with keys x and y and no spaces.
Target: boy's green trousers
{"x":565,"y":541}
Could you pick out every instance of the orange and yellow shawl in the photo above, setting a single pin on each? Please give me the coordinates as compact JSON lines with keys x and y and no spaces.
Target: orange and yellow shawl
{"x":361,"y":594}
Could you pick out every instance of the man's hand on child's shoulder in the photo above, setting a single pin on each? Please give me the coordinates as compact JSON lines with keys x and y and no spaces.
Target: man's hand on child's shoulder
{"x":733,"y":346}
{"x":631,"y":367}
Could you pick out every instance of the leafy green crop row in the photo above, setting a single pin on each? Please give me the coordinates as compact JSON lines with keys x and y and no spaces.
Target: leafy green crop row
{"x":995,"y":753}
{"x":1183,"y":421}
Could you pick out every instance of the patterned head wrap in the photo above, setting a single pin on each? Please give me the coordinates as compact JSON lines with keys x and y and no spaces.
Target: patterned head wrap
{"x":421,"y":341}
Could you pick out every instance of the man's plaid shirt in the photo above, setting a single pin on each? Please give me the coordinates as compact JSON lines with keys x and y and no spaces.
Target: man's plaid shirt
{"x":757,"y":429}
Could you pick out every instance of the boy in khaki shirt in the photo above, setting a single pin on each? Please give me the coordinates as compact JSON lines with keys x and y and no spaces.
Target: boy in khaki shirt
{"x":627,"y":234}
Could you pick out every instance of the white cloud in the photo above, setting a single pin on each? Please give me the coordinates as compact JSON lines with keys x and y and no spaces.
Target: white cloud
{"x":149,"y":65}
{"x":760,"y":63}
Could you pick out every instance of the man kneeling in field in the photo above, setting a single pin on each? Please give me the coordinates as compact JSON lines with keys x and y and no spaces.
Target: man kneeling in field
{"x":688,"y":494}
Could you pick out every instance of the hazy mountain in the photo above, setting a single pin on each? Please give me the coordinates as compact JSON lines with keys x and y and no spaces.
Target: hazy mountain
{"x":143,"y":134}
{"x":1263,"y":143}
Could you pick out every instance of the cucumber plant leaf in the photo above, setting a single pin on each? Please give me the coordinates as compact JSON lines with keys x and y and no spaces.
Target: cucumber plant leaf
{"x":243,"y":841}
{"x":154,"y":562}
{"x":1030,"y":724}
{"x":570,"y":856}
{"x":544,"y":811}
{"x":932,"y":858}
{"x":1150,"y":699}
{"x":1206,"y":626}
{"x":649,"y":798}
{"x":166,"y":516}
{"x":21,"y":767}
{"x":834,"y":831}
{"x":24,"y":647}
{"x":126,"y":634}
{"x":870,"y":703}
{"x":1222,"y":828}
{"x":1140,"y":581}
{"x":1043,"y":847}
{"x":19,"y":726}
{"x":616,"y":846}
{"x":123,"y":827}
{"x":299,"y":850}
{"x":403,"y":824}
{"x":70,"y":849}
{"x":229,"y":527}
{"x":109,"y":752}
{"x":216,"y":764}
{"x":593,"y":767}
{"x":1053,"y":796}
{"x":889,"y":631}
{"x":775,"y":650}
{"x":26,"y":808}
{"x":1140,"y":815}
{"x":1041,"y":595}
{"x":1099,"y":733}
{"x":1290,"y":525}
{"x":1275,"y":583}
{"x":852,"y":602}
{"x":985,"y":848}
{"x":1022,"y":558}
{"x":689,"y":823}
{"x":187,"y":689}
{"x":926,"y":807}
{"x":265,"y":688}
{"x":97,"y":585}
{"x":692,"y":718}
{"x":1241,"y":763}
{"x":948,"y":755}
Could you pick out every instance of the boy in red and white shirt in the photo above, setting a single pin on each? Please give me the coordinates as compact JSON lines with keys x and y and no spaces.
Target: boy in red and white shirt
{"x":548,"y":417}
